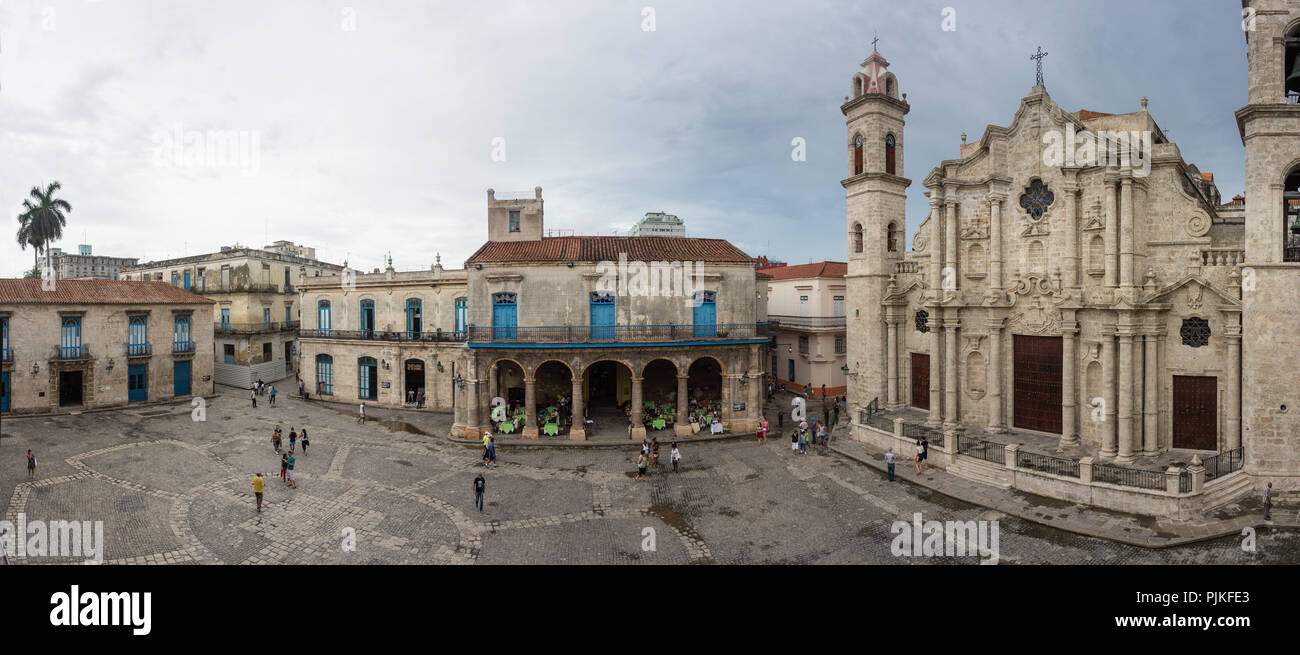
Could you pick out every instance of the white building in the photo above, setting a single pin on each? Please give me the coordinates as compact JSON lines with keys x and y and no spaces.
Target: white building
{"x":658,"y":224}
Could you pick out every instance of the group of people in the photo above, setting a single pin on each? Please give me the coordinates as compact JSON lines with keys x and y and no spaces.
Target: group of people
{"x":489,"y":452}
{"x":287,"y":458}
{"x":800,"y":438}
{"x":650,"y":457}
{"x":415,"y":398}
{"x":261,"y":388}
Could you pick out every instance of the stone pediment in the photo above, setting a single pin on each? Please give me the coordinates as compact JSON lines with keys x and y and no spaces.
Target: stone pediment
{"x":975,"y":229}
{"x":920,"y":238}
{"x":896,"y":295}
{"x":1198,"y":299}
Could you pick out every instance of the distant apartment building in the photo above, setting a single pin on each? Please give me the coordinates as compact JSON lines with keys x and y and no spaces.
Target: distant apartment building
{"x":806,"y":305}
{"x":658,"y":224}
{"x":93,"y":344}
{"x":83,"y":265}
{"x":257,"y":314}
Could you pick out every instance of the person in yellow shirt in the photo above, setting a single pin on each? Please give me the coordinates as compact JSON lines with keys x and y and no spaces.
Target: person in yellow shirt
{"x":258,"y":485}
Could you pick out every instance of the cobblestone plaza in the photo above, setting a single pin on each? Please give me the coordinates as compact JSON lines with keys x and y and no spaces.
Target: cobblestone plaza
{"x":171,"y":490}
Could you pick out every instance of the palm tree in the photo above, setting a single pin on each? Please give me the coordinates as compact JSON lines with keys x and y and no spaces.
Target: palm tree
{"x":42,"y":221}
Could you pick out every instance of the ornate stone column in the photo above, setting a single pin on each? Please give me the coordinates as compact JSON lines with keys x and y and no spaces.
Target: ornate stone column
{"x":1233,"y":438}
{"x":994,"y":395}
{"x":1112,"y":234}
{"x":891,"y":330}
{"x":995,"y":240}
{"x":1125,"y":379}
{"x":936,"y":243}
{"x":1126,"y":233}
{"x":578,"y":431}
{"x":1109,"y":445}
{"x":493,"y":392}
{"x":1150,"y":397}
{"x":683,"y":402}
{"x":530,"y":430}
{"x":1071,"y":229}
{"x":638,"y":429}
{"x":950,"y":374}
{"x":936,"y":371}
{"x":1069,"y":420}
{"x":472,"y":402}
{"x":950,"y":274}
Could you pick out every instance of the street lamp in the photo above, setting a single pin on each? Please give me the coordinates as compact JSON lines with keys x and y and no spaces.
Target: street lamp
{"x":36,"y":368}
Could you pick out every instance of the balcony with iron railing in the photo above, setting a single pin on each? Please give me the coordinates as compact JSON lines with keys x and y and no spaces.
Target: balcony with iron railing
{"x":7,"y":355}
{"x":71,"y":353}
{"x":139,"y":349}
{"x":437,"y":336}
{"x":225,"y":327}
{"x":807,"y":322}
{"x":616,"y":334}
{"x":183,"y":347}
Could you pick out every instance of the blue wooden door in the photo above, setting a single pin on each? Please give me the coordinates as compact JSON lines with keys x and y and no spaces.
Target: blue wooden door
{"x":367,"y":318}
{"x":187,"y":280}
{"x":137,"y":382}
{"x":503,"y":316}
{"x":181,"y":378}
{"x":706,"y":315}
{"x":602,"y":315}
{"x":4,"y":392}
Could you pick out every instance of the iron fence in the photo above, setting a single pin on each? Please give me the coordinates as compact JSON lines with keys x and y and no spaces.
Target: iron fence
{"x":72,"y":352}
{"x":989,"y":451}
{"x":1047,"y":464}
{"x":139,"y":349}
{"x":1127,"y":477}
{"x":916,"y":431}
{"x":182,"y":347}
{"x":7,"y":354}
{"x":382,"y":335}
{"x":1223,"y":463}
{"x":1184,"y":481}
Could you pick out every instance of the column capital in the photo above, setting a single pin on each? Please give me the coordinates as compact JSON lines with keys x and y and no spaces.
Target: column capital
{"x":995,"y":323}
{"x":996,"y":198}
{"x":951,"y":323}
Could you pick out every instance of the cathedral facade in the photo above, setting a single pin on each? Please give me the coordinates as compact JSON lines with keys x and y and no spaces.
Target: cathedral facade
{"x":1075,"y":277}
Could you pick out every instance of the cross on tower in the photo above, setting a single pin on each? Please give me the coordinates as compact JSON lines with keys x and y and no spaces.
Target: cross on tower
{"x":1038,"y":58}
{"x":874,"y":40}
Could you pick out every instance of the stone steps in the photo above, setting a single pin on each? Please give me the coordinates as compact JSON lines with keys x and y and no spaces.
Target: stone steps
{"x":1226,"y":492}
{"x":978,"y":470}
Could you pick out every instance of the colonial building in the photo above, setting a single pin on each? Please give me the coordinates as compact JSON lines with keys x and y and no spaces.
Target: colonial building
{"x":83,"y":265}
{"x":806,"y":303}
{"x":1093,"y":295}
{"x":257,"y":313}
{"x":389,"y":338}
{"x":91,"y":344}
{"x":623,"y":331}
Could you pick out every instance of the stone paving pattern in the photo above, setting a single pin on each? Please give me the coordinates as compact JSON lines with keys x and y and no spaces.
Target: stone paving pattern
{"x":174,"y":491}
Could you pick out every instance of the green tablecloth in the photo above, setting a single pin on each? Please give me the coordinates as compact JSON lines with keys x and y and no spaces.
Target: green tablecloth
{"x":507,"y":427}
{"x":659,"y":423}
{"x":551,"y":429}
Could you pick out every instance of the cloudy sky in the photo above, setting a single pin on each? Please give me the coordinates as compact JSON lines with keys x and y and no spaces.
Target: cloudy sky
{"x":368,"y":126}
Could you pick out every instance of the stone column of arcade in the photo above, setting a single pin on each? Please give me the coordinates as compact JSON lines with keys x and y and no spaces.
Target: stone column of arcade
{"x":638,"y":430}
{"x":530,"y":408}
{"x":683,"y":427}
{"x":578,"y":431}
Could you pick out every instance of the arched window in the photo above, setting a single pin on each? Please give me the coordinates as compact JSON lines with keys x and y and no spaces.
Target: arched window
{"x":1096,"y":256}
{"x":889,"y":86}
{"x":977,"y":261}
{"x":1291,"y":64}
{"x":857,"y":237}
{"x":1291,"y":210}
{"x":462,"y":314}
{"x":414,"y":322}
{"x":857,"y":155}
{"x":891,"y":237}
{"x":323,"y":316}
{"x":367,"y":318}
{"x":1037,"y":258}
{"x":324,"y":375}
{"x":889,"y":154}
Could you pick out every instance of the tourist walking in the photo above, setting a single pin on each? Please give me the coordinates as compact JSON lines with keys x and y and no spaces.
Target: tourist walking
{"x":361,"y":413}
{"x":794,"y":441}
{"x":289,"y":463}
{"x":284,"y":467}
{"x":492,"y":452}
{"x":31,"y":464}
{"x":925,"y":450}
{"x":480,"y":485}
{"x":304,"y":441}
{"x":252,"y":393}
{"x":419,"y":399}
{"x":275,"y":439}
{"x":258,"y":484}
{"x":835,"y":415}
{"x":780,"y":420}
{"x":916,"y":459}
{"x":821,"y":435}
{"x":640,"y":465}
{"x":676,"y":456}
{"x":889,"y":463}
{"x":1268,"y":501}
{"x":293,"y":438}
{"x":762,"y":430}
{"x":273,"y":395}
{"x":654,"y":453}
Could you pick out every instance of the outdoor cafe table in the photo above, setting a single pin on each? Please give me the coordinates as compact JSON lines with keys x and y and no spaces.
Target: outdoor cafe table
{"x":551,"y":429}
{"x":659,"y":423}
{"x":507,"y":426}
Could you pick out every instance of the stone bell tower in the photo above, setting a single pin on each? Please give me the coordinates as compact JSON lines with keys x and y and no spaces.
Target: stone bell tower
{"x":876,"y":197}
{"x":1270,"y":278}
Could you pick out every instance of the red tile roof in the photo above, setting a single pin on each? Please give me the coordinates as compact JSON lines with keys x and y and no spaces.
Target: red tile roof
{"x":818,"y":269}
{"x":14,"y":291}
{"x":1208,"y":177}
{"x":597,"y":249}
{"x":1087,"y":115}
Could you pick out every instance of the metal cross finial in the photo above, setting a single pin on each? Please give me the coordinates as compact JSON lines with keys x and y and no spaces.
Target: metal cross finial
{"x":1038,"y":58}
{"x":874,"y":40}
